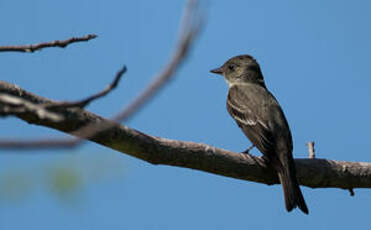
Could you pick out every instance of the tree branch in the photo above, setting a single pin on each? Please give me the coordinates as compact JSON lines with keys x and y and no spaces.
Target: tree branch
{"x":56,"y":43}
{"x":11,"y":105}
{"x":314,"y":173}
{"x":190,"y":28}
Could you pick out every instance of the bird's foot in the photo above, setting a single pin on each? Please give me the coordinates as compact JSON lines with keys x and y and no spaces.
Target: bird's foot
{"x":248,"y":149}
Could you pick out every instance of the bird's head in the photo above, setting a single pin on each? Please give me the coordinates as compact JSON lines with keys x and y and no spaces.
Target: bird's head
{"x":241,"y":69}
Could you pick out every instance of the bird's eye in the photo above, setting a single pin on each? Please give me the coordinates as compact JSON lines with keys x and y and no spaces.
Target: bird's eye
{"x":231,"y":67}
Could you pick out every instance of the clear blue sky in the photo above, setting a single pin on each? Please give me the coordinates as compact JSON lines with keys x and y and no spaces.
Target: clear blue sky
{"x":315,"y":56}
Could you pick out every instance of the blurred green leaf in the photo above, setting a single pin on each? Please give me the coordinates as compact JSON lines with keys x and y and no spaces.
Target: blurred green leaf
{"x":65,"y":181}
{"x":64,"y":176}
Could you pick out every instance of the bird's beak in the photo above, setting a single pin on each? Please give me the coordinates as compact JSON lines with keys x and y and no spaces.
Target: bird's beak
{"x":217,"y":70}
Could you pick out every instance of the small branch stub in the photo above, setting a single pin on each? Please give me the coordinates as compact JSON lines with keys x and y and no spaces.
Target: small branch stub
{"x":311,"y":151}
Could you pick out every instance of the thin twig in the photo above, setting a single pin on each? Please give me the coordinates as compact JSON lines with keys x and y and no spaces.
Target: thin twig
{"x":56,"y":43}
{"x":42,"y":109}
{"x":12,"y":105}
{"x":84,"y":102}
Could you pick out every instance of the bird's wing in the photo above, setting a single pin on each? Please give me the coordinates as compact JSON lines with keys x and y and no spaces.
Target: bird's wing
{"x":246,"y":109}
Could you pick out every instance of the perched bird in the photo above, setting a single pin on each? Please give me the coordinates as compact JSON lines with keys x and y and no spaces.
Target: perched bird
{"x":258,"y":114}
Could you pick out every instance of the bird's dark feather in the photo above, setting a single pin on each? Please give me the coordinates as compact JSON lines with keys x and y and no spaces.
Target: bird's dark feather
{"x":244,"y":110}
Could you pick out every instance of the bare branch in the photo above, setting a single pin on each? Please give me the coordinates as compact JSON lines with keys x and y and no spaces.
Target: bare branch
{"x":56,"y":43}
{"x":314,"y":173}
{"x":45,"y":111}
{"x":191,"y":25}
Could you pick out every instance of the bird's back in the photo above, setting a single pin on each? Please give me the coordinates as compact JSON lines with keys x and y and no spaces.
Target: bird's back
{"x":266,"y":125}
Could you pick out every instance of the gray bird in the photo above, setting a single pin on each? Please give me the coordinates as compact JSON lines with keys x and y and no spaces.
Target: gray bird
{"x":258,"y":114}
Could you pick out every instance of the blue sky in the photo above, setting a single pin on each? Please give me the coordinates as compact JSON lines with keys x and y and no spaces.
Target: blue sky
{"x":315,"y":59}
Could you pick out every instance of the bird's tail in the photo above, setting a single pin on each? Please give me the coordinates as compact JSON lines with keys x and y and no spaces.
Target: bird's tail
{"x":291,"y":190}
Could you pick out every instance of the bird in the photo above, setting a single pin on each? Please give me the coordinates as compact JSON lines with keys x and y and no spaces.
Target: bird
{"x":261,"y":118}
